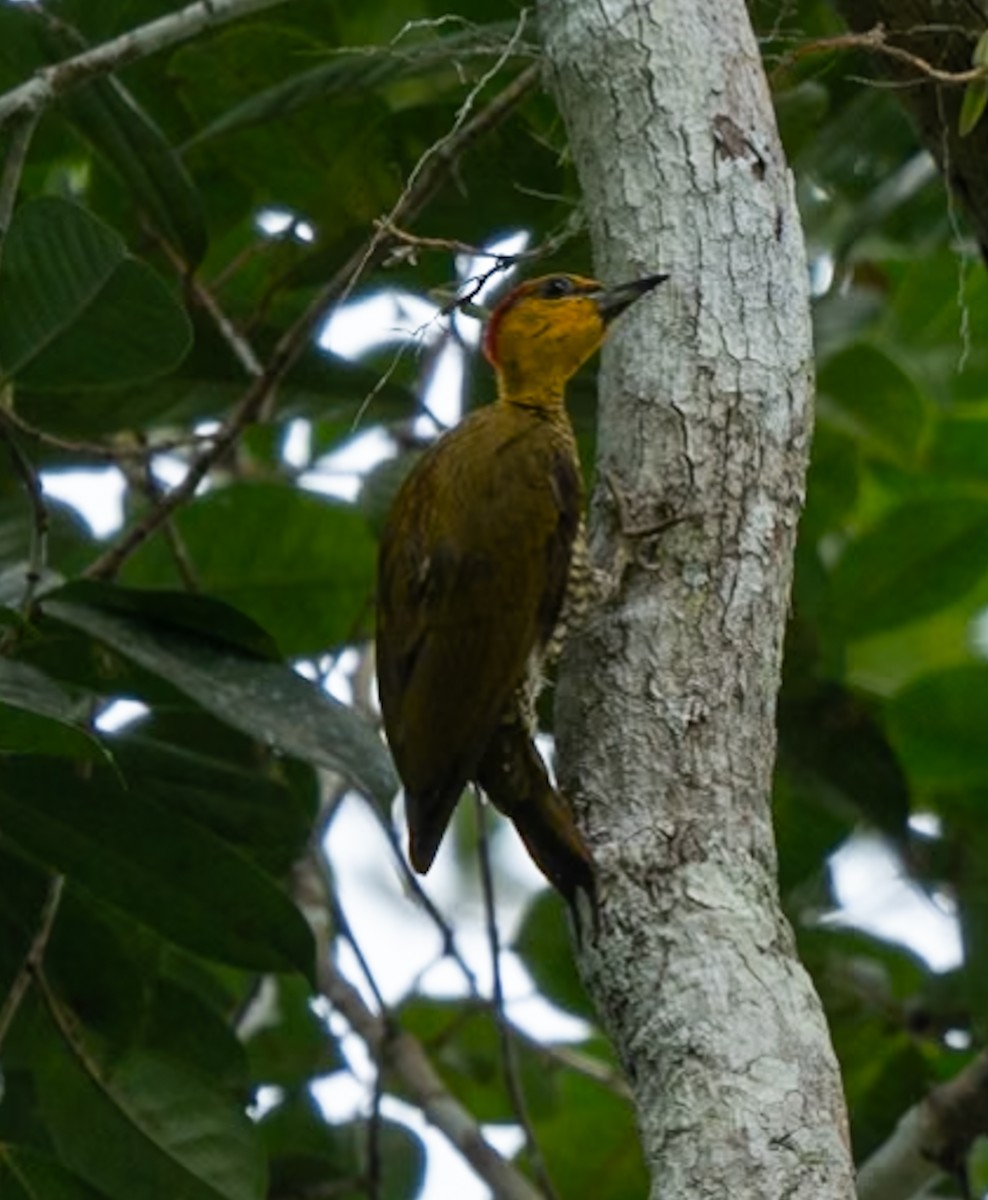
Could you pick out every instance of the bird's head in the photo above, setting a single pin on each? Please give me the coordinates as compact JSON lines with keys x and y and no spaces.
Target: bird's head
{"x":542,"y":332}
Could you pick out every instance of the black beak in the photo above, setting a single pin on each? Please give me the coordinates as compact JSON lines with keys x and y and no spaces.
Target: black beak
{"x":616,"y":299}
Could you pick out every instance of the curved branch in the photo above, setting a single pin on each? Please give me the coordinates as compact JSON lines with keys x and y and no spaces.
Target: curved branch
{"x":401,"y":1054}
{"x":931,"y":1138}
{"x":942,"y":34}
{"x":48,"y":83}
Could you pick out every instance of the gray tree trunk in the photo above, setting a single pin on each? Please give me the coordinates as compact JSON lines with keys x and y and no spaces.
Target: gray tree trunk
{"x":666,"y":701}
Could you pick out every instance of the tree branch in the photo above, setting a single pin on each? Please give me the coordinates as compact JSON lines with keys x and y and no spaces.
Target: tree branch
{"x":941,"y":34}
{"x":402,"y":1055}
{"x":48,"y":83}
{"x":432,"y":171}
{"x":933,"y":1137}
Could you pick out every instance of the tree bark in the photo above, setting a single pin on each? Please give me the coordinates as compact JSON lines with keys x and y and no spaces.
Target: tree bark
{"x":666,"y":699}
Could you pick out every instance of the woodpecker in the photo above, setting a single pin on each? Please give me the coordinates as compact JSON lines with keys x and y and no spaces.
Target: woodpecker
{"x":476,"y":559}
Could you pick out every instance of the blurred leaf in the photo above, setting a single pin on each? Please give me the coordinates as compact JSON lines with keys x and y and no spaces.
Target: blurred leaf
{"x":832,"y":734}
{"x":293,"y":1045}
{"x":938,"y":728}
{"x":76,"y":310}
{"x":22,"y":902}
{"x":590,"y":1143}
{"x":308,"y":1152}
{"x":310,"y":585}
{"x":155,"y":865}
{"x":38,"y":717}
{"x":868,"y":394}
{"x":138,"y":1124}
{"x":546,"y":948}
{"x":25,"y":1174}
{"x":463,"y":1041}
{"x":267,"y":700}
{"x":972,"y":106}
{"x":188,"y":612}
{"x":240,"y":803}
{"x":367,"y":70}
{"x":919,"y":558}
{"x":109,"y":116}
{"x":960,"y":449}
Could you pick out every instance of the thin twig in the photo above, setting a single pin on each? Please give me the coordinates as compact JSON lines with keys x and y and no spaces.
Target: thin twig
{"x":117,"y":452}
{"x":415,"y":196}
{"x":414,"y":886}
{"x":509,"y":1061}
{"x":876,"y":41}
{"x":399,"y":1053}
{"x":374,"y":1172}
{"x":239,"y":345}
{"x":48,"y":83}
{"x":34,"y":958}
{"x":142,"y":477}
{"x":38,"y":551}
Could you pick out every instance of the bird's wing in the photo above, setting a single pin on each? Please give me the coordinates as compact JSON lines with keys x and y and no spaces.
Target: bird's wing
{"x":472,"y":575}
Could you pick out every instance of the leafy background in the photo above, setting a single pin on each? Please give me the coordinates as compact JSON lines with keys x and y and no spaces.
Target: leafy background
{"x":171,"y":1035}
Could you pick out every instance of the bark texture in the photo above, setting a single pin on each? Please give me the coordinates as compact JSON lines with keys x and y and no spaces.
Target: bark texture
{"x":666,"y":700}
{"x":942,"y":33}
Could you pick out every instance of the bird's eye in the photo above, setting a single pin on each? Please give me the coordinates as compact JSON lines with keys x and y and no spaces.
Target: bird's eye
{"x":557,"y":287}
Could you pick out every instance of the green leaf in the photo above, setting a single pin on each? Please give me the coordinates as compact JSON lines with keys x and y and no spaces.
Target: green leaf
{"x":203,"y":616}
{"x":310,"y":585}
{"x":76,"y":310}
{"x":266,"y":700}
{"x":120,"y":129}
{"x":38,"y":717}
{"x":864,"y":391}
{"x":297,"y":1045}
{"x":25,"y":1174}
{"x":138,"y":1125}
{"x":960,"y":449}
{"x":938,"y":728}
{"x":976,"y":92}
{"x":919,"y":558}
{"x":590,"y":1144}
{"x":260,"y":815}
{"x":22,"y":901}
{"x":972,"y":106}
{"x":307,"y":1152}
{"x":833,"y":735}
{"x":155,"y":865}
{"x":463,"y":1040}
{"x":544,"y":944}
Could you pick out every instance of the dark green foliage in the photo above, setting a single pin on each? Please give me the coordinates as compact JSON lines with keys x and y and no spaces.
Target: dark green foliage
{"x":128,"y":1066}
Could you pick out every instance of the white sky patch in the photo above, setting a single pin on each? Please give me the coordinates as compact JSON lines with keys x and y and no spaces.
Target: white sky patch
{"x":875,"y":895}
{"x":978,"y":633}
{"x":339,"y":474}
{"x":296,"y":448}
{"x":378,"y":320}
{"x":278,"y":221}
{"x":926,"y":824}
{"x":118,"y":714}
{"x":169,"y":469}
{"x":97,"y":494}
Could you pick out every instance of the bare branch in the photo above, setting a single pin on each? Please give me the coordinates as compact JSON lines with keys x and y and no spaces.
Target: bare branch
{"x":35,"y":956}
{"x":428,"y":177}
{"x":876,"y":41}
{"x":402,"y":1055}
{"x":933,"y":1137}
{"x":509,"y":1061}
{"x":48,"y":83}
